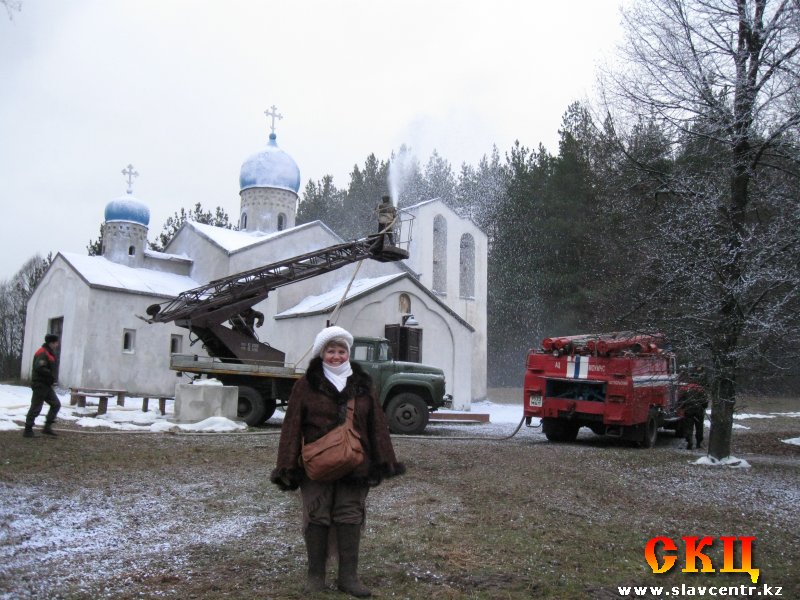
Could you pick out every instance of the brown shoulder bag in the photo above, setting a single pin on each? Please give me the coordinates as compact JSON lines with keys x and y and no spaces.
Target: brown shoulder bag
{"x":335,"y":454}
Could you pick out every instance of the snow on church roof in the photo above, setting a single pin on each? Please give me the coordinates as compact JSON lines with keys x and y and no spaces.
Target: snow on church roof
{"x":232,"y":241}
{"x":97,"y":271}
{"x":328,"y":300}
{"x":313,"y":305}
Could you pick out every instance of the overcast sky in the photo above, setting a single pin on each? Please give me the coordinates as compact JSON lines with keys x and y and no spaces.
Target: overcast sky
{"x":179,"y":88}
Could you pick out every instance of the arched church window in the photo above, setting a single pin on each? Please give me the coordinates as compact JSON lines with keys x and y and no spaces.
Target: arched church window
{"x":405,"y":304}
{"x":281,"y":222}
{"x":131,"y":250}
{"x":466,"y":267}
{"x":439,"y":255}
{"x":244,"y":220}
{"x":128,"y":341}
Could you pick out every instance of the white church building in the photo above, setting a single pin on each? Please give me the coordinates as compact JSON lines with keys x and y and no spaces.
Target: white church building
{"x":95,"y":302}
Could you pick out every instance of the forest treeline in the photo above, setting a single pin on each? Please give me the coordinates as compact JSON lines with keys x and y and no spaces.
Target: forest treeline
{"x":576,"y":237}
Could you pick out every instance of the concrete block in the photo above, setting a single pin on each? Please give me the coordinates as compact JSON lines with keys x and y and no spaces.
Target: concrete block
{"x":195,"y":403}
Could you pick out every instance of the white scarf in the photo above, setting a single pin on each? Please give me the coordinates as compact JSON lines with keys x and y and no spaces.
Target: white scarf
{"x":338,"y":375}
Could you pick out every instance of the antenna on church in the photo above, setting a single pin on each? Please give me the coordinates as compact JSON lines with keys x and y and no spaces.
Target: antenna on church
{"x":130,"y":174}
{"x":273,"y":114}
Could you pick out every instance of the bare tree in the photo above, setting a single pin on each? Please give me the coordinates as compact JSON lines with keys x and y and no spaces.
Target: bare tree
{"x":12,"y":5}
{"x":721,"y":80}
{"x":14,"y":296}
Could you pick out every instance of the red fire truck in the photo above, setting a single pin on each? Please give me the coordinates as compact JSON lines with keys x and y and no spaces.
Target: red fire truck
{"x":619,"y":384}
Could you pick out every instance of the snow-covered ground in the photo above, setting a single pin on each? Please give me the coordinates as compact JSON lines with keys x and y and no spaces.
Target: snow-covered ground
{"x":15,"y":401}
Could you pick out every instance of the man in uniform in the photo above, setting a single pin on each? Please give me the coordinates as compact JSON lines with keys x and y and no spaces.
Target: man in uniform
{"x":43,"y":377}
{"x":694,"y":405}
{"x":386,"y":216}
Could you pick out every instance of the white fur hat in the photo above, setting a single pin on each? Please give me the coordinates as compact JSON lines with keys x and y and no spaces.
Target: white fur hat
{"x":328,"y":334}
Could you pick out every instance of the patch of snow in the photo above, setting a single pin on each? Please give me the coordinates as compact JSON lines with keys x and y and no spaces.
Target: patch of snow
{"x":211,"y":382}
{"x":729,"y":461}
{"x":789,"y":414}
{"x":752,"y":416}
{"x":214,"y":425}
{"x":793,"y":441}
{"x":232,"y":240}
{"x":100,"y":271}
{"x":332,"y":297}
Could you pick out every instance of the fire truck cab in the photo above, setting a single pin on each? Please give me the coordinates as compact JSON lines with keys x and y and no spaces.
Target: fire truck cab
{"x":624,"y":385}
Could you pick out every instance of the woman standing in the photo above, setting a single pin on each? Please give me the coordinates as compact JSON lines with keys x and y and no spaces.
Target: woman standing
{"x":317,"y":405}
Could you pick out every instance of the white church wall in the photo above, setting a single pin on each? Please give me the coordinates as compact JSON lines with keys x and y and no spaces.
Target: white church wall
{"x":142,"y":367}
{"x":210,"y":261}
{"x":471,"y":309}
{"x":281,"y":247}
{"x":94,"y":322}
{"x":60,"y":294}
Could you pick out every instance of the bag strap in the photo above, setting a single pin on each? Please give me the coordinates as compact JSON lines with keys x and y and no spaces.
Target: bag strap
{"x":351,"y":411}
{"x":348,"y":421}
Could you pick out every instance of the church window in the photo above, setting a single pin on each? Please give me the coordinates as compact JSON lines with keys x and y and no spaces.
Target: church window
{"x":128,"y":340}
{"x":466,"y":262}
{"x":175,"y":344}
{"x":131,"y":251}
{"x":281,"y":222}
{"x":405,"y":304}
{"x":244,"y":220}
{"x":439,"y":255}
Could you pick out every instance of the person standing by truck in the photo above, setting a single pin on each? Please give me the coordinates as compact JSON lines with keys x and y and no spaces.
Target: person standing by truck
{"x":694,"y":406}
{"x":319,"y":403}
{"x":43,"y":376}
{"x":694,"y":403}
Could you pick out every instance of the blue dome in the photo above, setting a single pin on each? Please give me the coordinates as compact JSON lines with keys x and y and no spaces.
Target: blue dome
{"x":129,"y":209}
{"x":270,"y":168}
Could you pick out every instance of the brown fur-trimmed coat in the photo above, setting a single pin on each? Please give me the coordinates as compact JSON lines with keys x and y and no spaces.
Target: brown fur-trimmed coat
{"x":315,"y":407}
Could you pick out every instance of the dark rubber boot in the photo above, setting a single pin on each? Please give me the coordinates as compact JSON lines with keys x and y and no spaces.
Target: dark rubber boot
{"x":317,"y":548}
{"x":349,"y":538}
{"x":28,"y":432}
{"x":48,"y":430}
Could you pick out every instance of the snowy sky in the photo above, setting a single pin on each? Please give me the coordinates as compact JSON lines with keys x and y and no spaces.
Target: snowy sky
{"x":179,"y":88}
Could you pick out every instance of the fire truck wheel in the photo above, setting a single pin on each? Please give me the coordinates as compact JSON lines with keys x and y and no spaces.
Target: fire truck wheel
{"x":253,"y":408}
{"x":650,"y":432}
{"x":557,"y":430}
{"x":407,"y":413}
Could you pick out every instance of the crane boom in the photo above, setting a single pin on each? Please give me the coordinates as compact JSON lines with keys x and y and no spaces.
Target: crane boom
{"x":204,"y":309}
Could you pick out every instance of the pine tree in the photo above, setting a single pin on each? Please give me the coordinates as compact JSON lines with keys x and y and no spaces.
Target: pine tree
{"x":219,"y":218}
{"x":363,"y":195}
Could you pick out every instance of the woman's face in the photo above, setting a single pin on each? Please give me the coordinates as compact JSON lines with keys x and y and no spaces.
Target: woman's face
{"x":335,"y":355}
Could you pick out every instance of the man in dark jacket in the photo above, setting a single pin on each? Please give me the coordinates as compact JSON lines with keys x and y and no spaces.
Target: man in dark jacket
{"x":43,"y":376}
{"x":694,"y":406}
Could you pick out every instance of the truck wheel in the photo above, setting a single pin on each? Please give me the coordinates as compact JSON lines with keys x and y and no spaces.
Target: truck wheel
{"x":407,"y":413}
{"x":253,"y":408}
{"x":650,"y":432}
{"x":557,"y":430}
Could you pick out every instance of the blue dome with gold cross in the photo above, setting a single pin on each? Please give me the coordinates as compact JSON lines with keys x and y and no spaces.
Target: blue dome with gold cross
{"x":270,"y":168}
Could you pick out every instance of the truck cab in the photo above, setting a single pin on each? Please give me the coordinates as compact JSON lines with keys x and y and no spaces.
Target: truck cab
{"x":407,"y":391}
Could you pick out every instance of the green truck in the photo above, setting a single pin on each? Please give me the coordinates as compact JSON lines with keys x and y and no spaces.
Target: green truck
{"x":408,"y":391}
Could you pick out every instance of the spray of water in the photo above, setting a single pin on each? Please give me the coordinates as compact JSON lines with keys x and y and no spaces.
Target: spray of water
{"x":401,"y":167}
